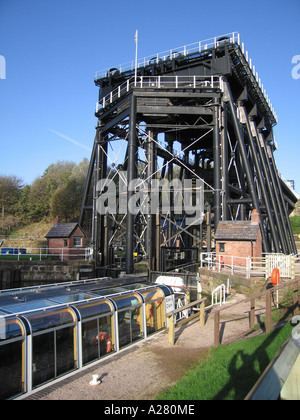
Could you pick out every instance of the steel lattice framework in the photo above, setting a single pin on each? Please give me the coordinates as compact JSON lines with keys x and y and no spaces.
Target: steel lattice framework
{"x":197,"y":113}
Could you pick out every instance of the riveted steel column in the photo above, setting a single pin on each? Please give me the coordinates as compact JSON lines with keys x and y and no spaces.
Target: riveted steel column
{"x":261,"y":151}
{"x":273,"y":174}
{"x":151,"y":218}
{"x":224,"y":163}
{"x":131,"y":175}
{"x":285,"y":217}
{"x":217,"y":163}
{"x":100,"y":171}
{"x":169,"y":140}
{"x":246,"y":164}
{"x":261,"y":181}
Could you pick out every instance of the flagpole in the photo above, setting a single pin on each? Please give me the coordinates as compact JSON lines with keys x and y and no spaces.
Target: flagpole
{"x":136,"y":51}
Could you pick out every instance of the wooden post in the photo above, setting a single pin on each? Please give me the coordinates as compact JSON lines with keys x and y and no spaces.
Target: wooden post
{"x":268,"y":311}
{"x":252,"y":314}
{"x":202,"y":314}
{"x":171,"y":330}
{"x":296,"y":299}
{"x":217,"y":328}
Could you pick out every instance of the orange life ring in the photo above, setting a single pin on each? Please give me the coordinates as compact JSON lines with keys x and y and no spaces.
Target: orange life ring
{"x":275,"y":277}
{"x":103,"y":336}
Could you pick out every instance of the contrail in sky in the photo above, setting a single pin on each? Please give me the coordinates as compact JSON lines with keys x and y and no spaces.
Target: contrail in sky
{"x":70,"y":140}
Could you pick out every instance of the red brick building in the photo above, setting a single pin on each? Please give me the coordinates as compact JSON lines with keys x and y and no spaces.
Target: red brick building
{"x":66,"y":240}
{"x":238,"y":239}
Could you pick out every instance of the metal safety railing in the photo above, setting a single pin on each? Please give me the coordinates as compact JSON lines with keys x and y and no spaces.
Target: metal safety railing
{"x":289,"y":265}
{"x":161,"y":82}
{"x":221,"y":291}
{"x":39,"y":254}
{"x":196,"y":47}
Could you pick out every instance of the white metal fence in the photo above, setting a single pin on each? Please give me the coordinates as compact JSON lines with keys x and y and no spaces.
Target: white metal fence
{"x":233,"y":264}
{"x":39,"y":254}
{"x":288,"y":265}
{"x":285,"y":264}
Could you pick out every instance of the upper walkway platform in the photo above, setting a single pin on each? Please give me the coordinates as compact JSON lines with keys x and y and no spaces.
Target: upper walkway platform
{"x":189,"y":55}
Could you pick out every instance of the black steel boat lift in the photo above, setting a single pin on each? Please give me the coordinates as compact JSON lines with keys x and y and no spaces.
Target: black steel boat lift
{"x":198,"y":113}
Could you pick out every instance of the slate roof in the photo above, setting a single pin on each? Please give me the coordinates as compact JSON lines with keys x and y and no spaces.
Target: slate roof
{"x":237,"y":231}
{"x":62,"y":230}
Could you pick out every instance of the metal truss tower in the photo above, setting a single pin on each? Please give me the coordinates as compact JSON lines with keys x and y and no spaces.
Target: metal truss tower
{"x":199,"y":113}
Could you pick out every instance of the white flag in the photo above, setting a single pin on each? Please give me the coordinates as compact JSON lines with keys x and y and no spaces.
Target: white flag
{"x":136,"y":36}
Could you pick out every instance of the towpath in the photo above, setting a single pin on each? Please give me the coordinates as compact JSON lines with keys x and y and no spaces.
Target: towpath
{"x":147,"y":368}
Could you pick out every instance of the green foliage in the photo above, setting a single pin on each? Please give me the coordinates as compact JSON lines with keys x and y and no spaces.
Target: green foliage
{"x":57,"y":192}
{"x":295,"y":223}
{"x":10,"y":193}
{"x":66,"y":201}
{"x":296,"y":212}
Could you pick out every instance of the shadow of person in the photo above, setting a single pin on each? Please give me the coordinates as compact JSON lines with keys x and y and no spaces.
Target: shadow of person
{"x":241,"y":369}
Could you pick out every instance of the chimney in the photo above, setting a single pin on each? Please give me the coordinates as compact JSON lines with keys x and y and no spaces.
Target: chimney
{"x":254,"y":216}
{"x":56,"y":221}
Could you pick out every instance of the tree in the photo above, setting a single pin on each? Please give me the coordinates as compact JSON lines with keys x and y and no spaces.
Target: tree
{"x":66,"y":201}
{"x":23,"y":203}
{"x":54,"y":179}
{"x":296,"y":212}
{"x":57,"y":192}
{"x":38,"y":200}
{"x":10,"y":191}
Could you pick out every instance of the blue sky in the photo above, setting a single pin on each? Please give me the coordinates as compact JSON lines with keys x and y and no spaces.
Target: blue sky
{"x":53,"y":48}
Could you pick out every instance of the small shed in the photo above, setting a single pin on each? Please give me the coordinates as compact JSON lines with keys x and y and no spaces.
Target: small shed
{"x":66,"y":239}
{"x":238,"y":239}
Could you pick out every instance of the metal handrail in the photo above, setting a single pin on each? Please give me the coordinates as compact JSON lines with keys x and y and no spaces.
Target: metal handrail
{"x":160,"y":82}
{"x":214,"y":296}
{"x":45,"y":252}
{"x":196,"y":47}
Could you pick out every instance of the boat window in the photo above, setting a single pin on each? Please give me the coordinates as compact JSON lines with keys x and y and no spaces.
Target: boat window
{"x":90,"y":309}
{"x":166,"y":289}
{"x":97,"y":338}
{"x":12,"y":357}
{"x":43,"y":320}
{"x":127,"y":300}
{"x":152,"y":294}
{"x":72,"y":298}
{"x":53,"y":354}
{"x":10,"y":328}
{"x":130,"y":325}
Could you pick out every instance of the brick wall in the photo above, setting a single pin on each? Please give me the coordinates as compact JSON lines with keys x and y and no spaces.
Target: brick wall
{"x":243,"y":249}
{"x":55,"y":245}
